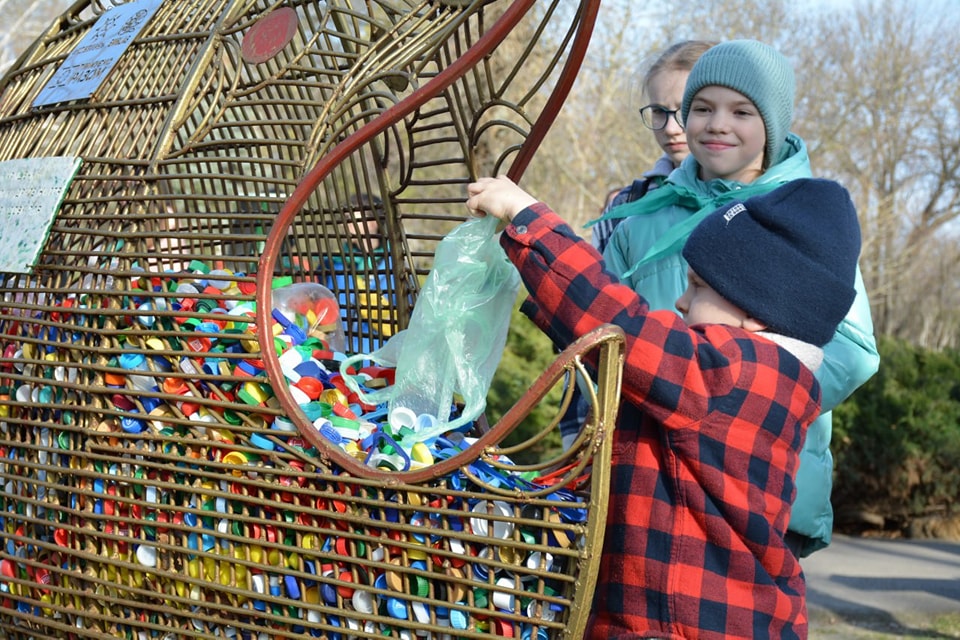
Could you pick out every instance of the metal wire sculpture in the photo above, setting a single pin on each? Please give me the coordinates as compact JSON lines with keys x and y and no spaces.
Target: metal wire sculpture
{"x":159,"y":475}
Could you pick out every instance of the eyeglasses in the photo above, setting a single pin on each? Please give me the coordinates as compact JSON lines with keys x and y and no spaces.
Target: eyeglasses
{"x":656,"y":117}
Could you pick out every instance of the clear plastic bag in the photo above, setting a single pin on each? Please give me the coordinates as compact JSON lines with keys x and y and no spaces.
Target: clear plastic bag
{"x":455,"y":338}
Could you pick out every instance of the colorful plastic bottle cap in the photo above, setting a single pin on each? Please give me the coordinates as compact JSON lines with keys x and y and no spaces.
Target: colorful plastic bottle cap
{"x":203,"y":415}
{"x":402,"y":418}
{"x":300,"y":397}
{"x":147,"y":555}
{"x":500,"y":529}
{"x":538,"y":610}
{"x":325,"y":429}
{"x":502,"y":599}
{"x":217,"y":280}
{"x":419,"y":585}
{"x":332,"y":397}
{"x":362,"y":601}
{"x":456,"y":545}
{"x":309,"y":368}
{"x":253,"y":393}
{"x":352,"y":625}
{"x":345,"y":592}
{"x":275,"y":585}
{"x":458,"y":619}
{"x":197,"y":266}
{"x":426,"y":422}
{"x":393,"y":578}
{"x":292,"y":586}
{"x":132,"y":425}
{"x":314,"y":410}
{"x":329,"y":593}
{"x":510,"y":555}
{"x":283,"y":423}
{"x":420,"y":453}
{"x":145,"y":319}
{"x":209,"y":542}
{"x":527,"y":633}
{"x":421,"y":612}
{"x":261,"y":442}
{"x":132,"y":361}
{"x":289,"y":361}
{"x":156,"y":344}
{"x":480,"y":569}
{"x":457,"y":591}
{"x":390,"y":462}
{"x":349,"y":429}
{"x":343,"y":410}
{"x":310,"y":386}
{"x":122,"y":402}
{"x":542,"y":561}
{"x":235,"y":457}
{"x":44,"y":395}
{"x":396,"y":609}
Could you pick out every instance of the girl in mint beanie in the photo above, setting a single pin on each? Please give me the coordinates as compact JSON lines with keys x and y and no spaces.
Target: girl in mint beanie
{"x":760,"y":73}
{"x":737,"y":109}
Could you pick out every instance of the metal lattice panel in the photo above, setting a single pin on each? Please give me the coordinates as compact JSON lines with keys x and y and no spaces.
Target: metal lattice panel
{"x":159,"y":477}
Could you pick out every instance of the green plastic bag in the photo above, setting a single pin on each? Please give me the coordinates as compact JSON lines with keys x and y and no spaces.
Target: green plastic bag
{"x":455,"y":338}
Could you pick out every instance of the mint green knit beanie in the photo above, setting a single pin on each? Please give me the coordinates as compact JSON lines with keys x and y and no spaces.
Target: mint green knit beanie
{"x":759,"y":72}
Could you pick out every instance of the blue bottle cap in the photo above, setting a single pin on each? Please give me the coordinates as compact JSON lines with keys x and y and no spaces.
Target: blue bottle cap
{"x":396,"y":608}
{"x":261,"y":442}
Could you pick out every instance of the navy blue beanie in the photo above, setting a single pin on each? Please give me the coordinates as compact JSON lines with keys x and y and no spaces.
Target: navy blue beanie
{"x":788,"y":258}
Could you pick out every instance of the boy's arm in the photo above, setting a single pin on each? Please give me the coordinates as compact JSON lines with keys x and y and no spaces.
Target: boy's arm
{"x":574,"y":294}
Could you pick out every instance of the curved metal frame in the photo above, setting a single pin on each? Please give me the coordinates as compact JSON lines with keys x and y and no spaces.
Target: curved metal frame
{"x":310,"y":182}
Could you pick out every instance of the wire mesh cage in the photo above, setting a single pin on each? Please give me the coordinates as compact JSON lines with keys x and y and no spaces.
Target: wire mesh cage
{"x":171,"y":171}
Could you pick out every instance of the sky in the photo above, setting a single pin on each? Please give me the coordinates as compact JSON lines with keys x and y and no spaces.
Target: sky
{"x":24,"y":20}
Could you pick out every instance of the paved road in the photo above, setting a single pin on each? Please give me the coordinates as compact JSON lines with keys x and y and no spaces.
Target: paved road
{"x":893,"y":580}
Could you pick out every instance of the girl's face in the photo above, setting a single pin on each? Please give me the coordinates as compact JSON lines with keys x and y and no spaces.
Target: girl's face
{"x":666,"y":90}
{"x":726,"y":135}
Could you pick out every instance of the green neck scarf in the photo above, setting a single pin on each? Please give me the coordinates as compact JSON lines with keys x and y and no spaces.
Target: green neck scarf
{"x":670,"y":195}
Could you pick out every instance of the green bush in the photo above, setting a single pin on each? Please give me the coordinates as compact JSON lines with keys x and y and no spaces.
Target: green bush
{"x":527,"y":354}
{"x":897,"y":439}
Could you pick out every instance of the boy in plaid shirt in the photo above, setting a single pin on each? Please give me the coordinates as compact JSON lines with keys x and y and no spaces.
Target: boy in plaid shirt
{"x":714,"y":404}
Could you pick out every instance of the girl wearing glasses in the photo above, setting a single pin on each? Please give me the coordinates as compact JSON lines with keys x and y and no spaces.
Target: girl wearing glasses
{"x":663,"y":86}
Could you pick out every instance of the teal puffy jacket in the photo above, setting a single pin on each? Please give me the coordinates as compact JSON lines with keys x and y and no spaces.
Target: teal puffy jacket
{"x":850,"y":359}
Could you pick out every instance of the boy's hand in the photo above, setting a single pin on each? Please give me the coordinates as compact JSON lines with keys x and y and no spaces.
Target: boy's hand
{"x":498,"y":197}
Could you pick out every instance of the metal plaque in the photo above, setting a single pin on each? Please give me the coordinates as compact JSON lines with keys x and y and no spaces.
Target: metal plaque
{"x":97,"y":53}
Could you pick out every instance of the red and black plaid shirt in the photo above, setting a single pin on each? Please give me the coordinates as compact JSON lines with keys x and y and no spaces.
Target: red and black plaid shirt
{"x":705,"y":454}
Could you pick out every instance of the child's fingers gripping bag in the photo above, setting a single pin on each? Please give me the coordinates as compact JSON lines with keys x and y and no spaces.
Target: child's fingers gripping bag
{"x":455,"y":338}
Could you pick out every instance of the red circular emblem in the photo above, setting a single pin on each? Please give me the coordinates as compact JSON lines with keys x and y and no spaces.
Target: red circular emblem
{"x":269,"y":35}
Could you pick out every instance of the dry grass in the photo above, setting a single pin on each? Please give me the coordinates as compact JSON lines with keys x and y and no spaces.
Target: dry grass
{"x":828,"y":626}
